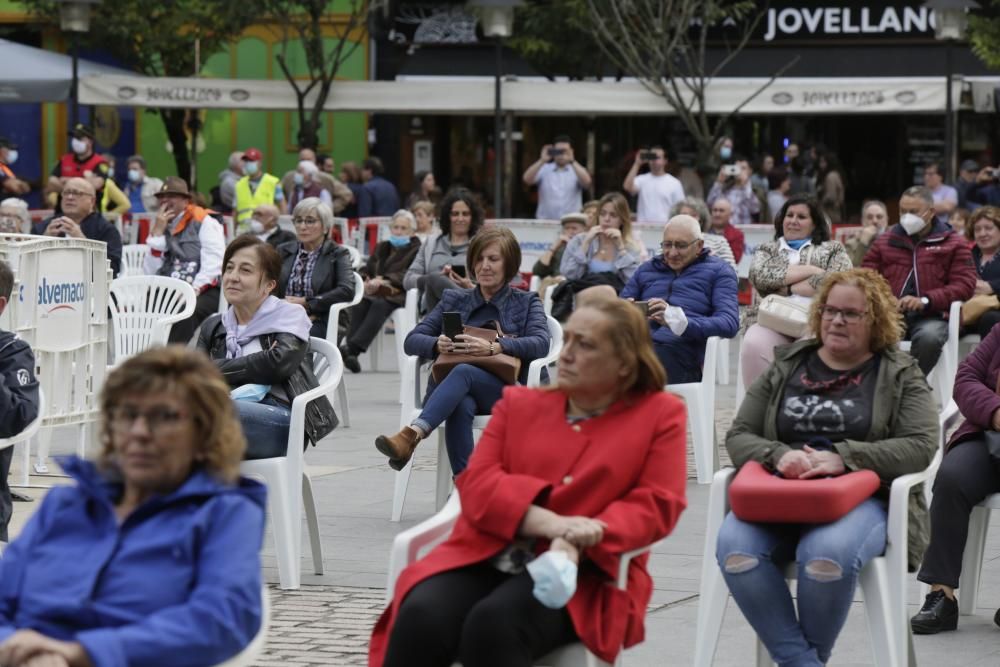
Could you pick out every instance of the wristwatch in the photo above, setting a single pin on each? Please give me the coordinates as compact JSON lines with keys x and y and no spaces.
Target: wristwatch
{"x":924,"y":300}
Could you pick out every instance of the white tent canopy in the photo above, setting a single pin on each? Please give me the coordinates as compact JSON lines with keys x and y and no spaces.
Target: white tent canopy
{"x":28,"y":74}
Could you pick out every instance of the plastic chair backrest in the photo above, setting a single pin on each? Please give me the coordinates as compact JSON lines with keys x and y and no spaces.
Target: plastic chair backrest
{"x":133,"y":255}
{"x":143,"y":308}
{"x":334,"y":314}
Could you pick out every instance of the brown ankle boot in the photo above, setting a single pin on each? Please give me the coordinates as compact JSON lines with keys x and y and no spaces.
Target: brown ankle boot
{"x":399,"y":448}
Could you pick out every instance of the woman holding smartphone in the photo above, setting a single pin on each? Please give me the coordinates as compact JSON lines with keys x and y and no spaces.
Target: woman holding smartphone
{"x":440,"y":264}
{"x":468,"y":390}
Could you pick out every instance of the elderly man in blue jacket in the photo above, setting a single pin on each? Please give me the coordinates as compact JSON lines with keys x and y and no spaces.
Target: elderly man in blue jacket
{"x":690,"y":296}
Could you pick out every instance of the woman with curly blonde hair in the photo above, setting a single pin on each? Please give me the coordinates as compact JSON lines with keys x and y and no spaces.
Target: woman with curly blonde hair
{"x":152,"y":557}
{"x":845,"y":400}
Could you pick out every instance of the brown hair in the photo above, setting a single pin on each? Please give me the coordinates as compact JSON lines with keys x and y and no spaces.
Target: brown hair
{"x":618,"y":200}
{"x":352,"y":172}
{"x":991,"y":213}
{"x":883,"y":313}
{"x":510,"y":250}
{"x":270,"y":260}
{"x":193,"y":379}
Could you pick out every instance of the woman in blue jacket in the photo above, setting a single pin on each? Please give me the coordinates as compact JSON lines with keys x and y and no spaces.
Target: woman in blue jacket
{"x":152,"y":558}
{"x":467,"y":391}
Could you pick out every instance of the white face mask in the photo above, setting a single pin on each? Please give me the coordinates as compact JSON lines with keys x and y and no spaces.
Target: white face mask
{"x":11,"y":156}
{"x":554,"y":576}
{"x":256,"y":226}
{"x":79,"y":145}
{"x":912,"y":223}
{"x":250,"y":168}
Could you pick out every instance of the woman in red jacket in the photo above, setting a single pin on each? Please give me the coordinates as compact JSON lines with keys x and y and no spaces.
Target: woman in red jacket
{"x":592,"y":468}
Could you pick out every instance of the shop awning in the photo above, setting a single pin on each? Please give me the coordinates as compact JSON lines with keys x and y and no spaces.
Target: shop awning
{"x":474,"y":95}
{"x":28,"y":74}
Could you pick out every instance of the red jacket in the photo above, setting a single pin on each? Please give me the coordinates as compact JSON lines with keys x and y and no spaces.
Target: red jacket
{"x":625,"y":467}
{"x":975,"y":388}
{"x":736,"y":241}
{"x":942,"y":262}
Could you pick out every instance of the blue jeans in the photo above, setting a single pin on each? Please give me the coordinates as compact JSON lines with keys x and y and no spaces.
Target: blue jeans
{"x":829,"y":558}
{"x":467,"y":391}
{"x":681,"y":366}
{"x":265,"y":427}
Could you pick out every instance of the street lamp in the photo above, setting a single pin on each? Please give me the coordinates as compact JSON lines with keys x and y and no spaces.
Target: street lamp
{"x":950,"y":22}
{"x":74,"y":18}
{"x":497,"y":20}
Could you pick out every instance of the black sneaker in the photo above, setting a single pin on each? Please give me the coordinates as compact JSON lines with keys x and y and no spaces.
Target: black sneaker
{"x":351,"y":362}
{"x":938,"y":614}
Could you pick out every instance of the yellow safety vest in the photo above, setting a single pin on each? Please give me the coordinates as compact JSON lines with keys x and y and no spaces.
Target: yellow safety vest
{"x":247,"y":201}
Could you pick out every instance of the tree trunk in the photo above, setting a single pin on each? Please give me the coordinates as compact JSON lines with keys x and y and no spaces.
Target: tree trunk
{"x":173,"y":122}
{"x":309,"y":132}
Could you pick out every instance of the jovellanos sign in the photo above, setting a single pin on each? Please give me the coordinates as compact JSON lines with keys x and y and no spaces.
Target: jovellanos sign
{"x":847,"y":20}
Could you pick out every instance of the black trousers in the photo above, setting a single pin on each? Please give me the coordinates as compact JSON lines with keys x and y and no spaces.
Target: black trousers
{"x":985,"y":323}
{"x":478,"y":616}
{"x":206,"y":304}
{"x":367,"y":319}
{"x":6,"y":502}
{"x":966,"y":476}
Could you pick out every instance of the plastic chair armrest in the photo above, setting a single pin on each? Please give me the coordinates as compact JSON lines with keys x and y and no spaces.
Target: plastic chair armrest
{"x":407,"y":545}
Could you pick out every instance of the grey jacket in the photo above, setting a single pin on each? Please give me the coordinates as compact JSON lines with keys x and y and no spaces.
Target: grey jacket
{"x":902,"y":439}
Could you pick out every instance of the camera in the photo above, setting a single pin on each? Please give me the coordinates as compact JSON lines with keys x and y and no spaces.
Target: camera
{"x":556,"y":152}
{"x":731,"y":170}
{"x":648,"y":155}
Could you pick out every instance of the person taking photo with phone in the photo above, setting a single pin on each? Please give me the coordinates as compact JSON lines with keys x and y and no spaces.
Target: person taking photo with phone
{"x":561,"y":180}
{"x":733,"y":183}
{"x":657,"y":191}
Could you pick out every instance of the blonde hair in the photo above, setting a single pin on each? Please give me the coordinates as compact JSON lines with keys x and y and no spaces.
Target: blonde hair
{"x":883,"y":313}
{"x":618,"y":200}
{"x":192,"y":378}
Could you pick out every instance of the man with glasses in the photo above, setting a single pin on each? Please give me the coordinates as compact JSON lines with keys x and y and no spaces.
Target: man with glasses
{"x":688,"y":295}
{"x":928,"y":265}
{"x":657,"y":191}
{"x":79,"y":219}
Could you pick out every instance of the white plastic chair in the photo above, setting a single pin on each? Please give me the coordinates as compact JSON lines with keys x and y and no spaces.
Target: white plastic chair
{"x":288,"y":485}
{"x":248,"y":656}
{"x":405,"y":319}
{"x":332,"y":335}
{"x":547,"y":298}
{"x":409,"y":545}
{"x":133,"y":255}
{"x":25,"y":436}
{"x":356,"y":260}
{"x":722,"y":366}
{"x":700,"y":400}
{"x":144,"y":308}
{"x":883,"y":581}
{"x":413,"y":403}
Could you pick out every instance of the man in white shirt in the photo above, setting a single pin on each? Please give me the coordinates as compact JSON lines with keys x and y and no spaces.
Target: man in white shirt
{"x":658,"y":191}
{"x":561,"y":180}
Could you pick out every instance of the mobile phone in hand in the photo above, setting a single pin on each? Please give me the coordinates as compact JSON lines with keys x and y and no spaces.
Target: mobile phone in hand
{"x":643,"y":306}
{"x":647,"y":155}
{"x":555,"y":152}
{"x":452,"y":324}
{"x":458,"y":270}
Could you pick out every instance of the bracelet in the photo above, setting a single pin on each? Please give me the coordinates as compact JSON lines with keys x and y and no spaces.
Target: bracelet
{"x":491,"y":348}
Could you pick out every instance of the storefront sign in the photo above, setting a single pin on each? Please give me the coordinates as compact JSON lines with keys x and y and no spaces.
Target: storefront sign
{"x":847,"y":21}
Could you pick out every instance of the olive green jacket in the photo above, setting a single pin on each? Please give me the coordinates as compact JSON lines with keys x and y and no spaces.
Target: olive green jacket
{"x":903,"y":437}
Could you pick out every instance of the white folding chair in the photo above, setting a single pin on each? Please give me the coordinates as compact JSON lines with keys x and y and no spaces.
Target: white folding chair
{"x":332,"y":335}
{"x":883,"y":581}
{"x":144,"y":308}
{"x":409,"y":545}
{"x":289,"y":487}
{"x":547,"y":298}
{"x":133,"y":255}
{"x":413,"y":403}
{"x":248,"y":656}
{"x":700,"y":400}
{"x":25,"y":437}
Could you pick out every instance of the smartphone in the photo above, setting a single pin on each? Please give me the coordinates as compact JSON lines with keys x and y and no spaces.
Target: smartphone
{"x":452,"y":324}
{"x":642,"y":306}
{"x":554,"y":152}
{"x":648,"y":155}
{"x":459,"y":270}
{"x":731,"y":170}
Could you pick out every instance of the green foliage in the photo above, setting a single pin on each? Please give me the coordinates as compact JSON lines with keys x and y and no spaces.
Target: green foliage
{"x":553,"y":37}
{"x":984,"y":34}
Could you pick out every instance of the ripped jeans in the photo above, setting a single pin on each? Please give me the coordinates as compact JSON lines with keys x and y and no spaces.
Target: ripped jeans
{"x":829,"y":557}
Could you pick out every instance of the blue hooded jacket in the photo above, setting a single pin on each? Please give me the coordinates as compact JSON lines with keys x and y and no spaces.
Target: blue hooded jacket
{"x":705,"y":289}
{"x":176,"y":584}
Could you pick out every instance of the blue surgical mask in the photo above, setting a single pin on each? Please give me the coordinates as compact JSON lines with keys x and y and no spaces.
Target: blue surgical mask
{"x":134,"y":175}
{"x":111,"y":172}
{"x":253,"y":393}
{"x":250,"y":168}
{"x":797,"y":243}
{"x":11,"y":156}
{"x":399,"y":241}
{"x":299,"y":178}
{"x":554,"y":575}
{"x":726,"y":152}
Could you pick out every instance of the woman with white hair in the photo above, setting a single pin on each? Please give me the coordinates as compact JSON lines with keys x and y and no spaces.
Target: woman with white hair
{"x":384,"y":291}
{"x":14,"y":216}
{"x":306,"y":185}
{"x":315,"y":271}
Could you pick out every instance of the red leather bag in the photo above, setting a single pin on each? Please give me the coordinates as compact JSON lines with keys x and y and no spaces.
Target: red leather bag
{"x":759,"y":496}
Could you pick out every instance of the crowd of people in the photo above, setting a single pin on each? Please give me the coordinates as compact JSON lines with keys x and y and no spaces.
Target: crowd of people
{"x":828,"y":392}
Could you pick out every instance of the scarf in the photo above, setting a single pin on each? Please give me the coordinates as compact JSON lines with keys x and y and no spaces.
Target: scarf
{"x":273,"y":316}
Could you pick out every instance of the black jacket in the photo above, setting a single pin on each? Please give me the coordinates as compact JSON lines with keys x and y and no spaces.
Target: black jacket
{"x":332,"y":278}
{"x":391,"y":263}
{"x":284,"y":361}
{"x":18,"y":385}
{"x":280,"y":237}
{"x":95,"y":228}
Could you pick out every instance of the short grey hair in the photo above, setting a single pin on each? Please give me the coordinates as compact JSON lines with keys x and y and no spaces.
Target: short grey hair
{"x":138,"y":159}
{"x":310,"y":204}
{"x":308,"y":167}
{"x":409,"y":217}
{"x":695,"y":204}
{"x":235,"y":159}
{"x":919,"y":192}
{"x":687,"y":223}
{"x":19,"y":208}
{"x":875,"y":202}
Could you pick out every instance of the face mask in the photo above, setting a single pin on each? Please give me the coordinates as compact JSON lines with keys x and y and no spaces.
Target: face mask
{"x":253,"y":393}
{"x":134,"y":175}
{"x":299,"y":179}
{"x":725,"y":152}
{"x":912,"y":223}
{"x":256,"y":226}
{"x":554,"y":575}
{"x":79,"y":146}
{"x":11,"y":156}
{"x":399,"y":241}
{"x":796,"y":244}
{"x":111,"y":172}
{"x":250,"y":168}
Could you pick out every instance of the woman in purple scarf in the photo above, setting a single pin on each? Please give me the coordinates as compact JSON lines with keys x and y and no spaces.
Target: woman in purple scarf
{"x":261,"y":345}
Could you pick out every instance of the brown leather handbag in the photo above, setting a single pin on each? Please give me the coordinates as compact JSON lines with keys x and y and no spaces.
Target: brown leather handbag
{"x":505,"y":366}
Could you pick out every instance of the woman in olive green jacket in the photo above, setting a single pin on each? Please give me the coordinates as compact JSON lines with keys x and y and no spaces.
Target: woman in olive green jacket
{"x":846,"y":400}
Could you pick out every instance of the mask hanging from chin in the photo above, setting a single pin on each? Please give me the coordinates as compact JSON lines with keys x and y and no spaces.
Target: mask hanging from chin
{"x":912,"y":223}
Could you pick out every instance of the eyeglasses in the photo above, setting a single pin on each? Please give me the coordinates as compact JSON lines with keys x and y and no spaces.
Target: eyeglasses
{"x":76,"y":193}
{"x":850,"y":316}
{"x":158,"y":420}
{"x":306,"y":222}
{"x":679,"y":245}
